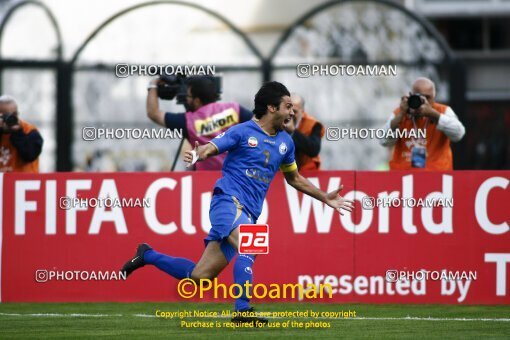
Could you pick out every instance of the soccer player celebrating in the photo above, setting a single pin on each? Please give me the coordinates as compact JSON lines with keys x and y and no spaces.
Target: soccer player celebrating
{"x":256,"y":150}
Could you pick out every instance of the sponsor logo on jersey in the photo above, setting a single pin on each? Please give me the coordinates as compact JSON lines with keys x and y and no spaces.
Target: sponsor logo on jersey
{"x":253,"y":142}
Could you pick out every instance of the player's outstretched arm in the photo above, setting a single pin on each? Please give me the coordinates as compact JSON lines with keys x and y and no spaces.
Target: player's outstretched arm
{"x":199,"y":153}
{"x":333,"y":199}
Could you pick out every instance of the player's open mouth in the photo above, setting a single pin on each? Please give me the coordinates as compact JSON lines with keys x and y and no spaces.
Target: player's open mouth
{"x":286,"y":121}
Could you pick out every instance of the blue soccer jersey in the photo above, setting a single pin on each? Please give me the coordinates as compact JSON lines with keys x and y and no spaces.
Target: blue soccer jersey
{"x":253,"y":159}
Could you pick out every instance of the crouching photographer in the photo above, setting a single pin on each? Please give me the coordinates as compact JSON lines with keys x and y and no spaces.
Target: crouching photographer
{"x":419,"y":111}
{"x":205,"y":117}
{"x":21,"y":143}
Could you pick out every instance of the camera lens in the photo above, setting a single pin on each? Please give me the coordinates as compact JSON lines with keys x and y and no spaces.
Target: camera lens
{"x":414,"y":101}
{"x":10,"y":119}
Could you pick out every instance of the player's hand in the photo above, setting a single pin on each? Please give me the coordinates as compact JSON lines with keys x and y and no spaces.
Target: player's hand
{"x":191,"y":156}
{"x":337,"y":202}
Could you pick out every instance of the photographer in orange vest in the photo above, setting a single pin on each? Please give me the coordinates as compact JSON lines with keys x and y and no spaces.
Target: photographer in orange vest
{"x":420,"y":111}
{"x":306,"y":133}
{"x":20,"y":142}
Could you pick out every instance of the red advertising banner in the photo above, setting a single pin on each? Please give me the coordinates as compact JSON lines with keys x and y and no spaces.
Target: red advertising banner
{"x":398,"y":245}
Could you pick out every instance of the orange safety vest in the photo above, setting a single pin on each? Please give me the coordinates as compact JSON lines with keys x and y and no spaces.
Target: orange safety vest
{"x":10,"y":160}
{"x":439,"y":153}
{"x":305,"y":127}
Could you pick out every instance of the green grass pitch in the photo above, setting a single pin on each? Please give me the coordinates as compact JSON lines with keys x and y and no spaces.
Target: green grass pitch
{"x":138,"y":320}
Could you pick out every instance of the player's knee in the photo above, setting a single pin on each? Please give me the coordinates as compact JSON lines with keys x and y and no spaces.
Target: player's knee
{"x":199,"y":273}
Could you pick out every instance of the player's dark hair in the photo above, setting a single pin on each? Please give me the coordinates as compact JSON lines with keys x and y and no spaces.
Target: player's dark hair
{"x":270,"y":93}
{"x":203,"y":88}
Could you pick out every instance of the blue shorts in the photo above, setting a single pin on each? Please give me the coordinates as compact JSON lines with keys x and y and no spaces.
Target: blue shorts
{"x":226,"y":214}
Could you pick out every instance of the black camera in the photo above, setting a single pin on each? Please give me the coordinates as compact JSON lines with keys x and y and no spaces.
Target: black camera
{"x":176,"y":86}
{"x":173,"y":86}
{"x":414,"y":101}
{"x":10,"y":119}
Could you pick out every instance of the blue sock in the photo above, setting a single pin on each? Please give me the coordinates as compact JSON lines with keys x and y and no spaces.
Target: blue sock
{"x":243,"y":272}
{"x":176,"y":266}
